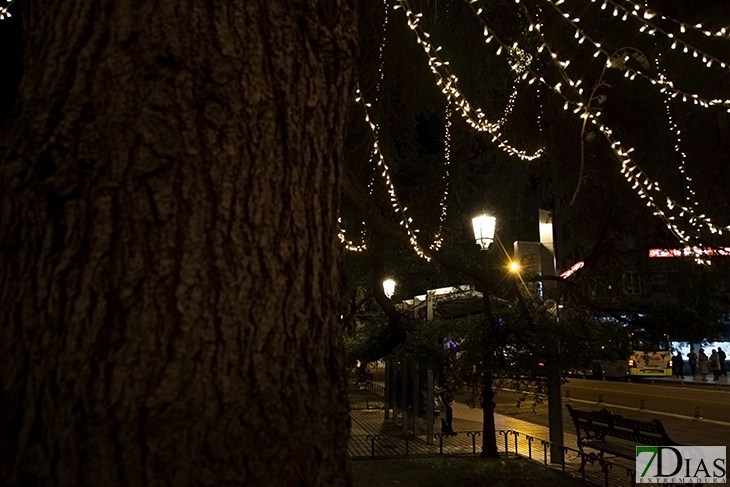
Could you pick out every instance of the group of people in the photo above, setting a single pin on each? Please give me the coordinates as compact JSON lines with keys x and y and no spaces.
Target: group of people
{"x":715,"y":362}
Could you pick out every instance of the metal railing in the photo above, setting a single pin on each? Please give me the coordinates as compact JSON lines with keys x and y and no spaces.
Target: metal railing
{"x":375,"y":389}
{"x":370,"y":403}
{"x":589,"y":468}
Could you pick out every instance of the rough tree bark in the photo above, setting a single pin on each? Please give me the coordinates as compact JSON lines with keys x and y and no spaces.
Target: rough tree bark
{"x":168,"y":214}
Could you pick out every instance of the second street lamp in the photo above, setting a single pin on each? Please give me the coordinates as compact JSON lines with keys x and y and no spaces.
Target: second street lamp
{"x":389,"y":288}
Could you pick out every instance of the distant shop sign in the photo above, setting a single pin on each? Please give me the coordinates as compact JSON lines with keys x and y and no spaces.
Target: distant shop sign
{"x":691,"y":252}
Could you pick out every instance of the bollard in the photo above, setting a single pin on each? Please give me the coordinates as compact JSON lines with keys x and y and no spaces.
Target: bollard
{"x":697,"y":413}
{"x":642,"y":405}
{"x":600,"y":398}
{"x":567,"y":394}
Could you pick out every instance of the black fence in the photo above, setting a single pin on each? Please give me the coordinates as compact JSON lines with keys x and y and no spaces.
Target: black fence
{"x":596,"y":471}
{"x":369,"y":396}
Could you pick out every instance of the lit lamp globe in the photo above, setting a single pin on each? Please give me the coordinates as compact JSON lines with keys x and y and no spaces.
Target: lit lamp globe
{"x":484,"y":230}
{"x":389,"y":287}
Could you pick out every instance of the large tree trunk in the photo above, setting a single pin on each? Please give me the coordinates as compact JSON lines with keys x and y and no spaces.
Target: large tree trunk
{"x":168,"y":274}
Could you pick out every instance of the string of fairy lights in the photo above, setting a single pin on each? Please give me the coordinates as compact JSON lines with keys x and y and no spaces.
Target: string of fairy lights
{"x":437,"y":239}
{"x":520,"y":59}
{"x":5,"y":9}
{"x":510,"y":103}
{"x":639,"y":180}
{"x":632,"y":73}
{"x":634,"y":175}
{"x":681,"y":155}
{"x":645,"y":187}
{"x":537,"y":87}
{"x":375,"y":153}
{"x":351,"y":245}
{"x":643,"y":15}
{"x":648,"y":14}
{"x":447,"y":82}
{"x":398,"y":208}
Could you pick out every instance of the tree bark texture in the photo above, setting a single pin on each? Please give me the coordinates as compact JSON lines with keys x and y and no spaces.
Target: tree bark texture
{"x":168,"y":219}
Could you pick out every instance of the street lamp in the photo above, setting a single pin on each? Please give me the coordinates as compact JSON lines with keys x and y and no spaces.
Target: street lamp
{"x":484,"y":230}
{"x":389,"y":288}
{"x":484,"y":235}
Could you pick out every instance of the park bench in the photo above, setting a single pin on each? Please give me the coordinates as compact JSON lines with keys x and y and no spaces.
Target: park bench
{"x":612,"y":434}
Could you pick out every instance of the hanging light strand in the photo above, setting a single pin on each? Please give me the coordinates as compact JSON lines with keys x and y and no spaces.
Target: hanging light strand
{"x":5,"y":9}
{"x":399,"y":209}
{"x":645,"y":187}
{"x":648,"y":28}
{"x":642,"y":12}
{"x":349,"y":244}
{"x":447,"y":82}
{"x":378,"y":88}
{"x":690,"y":194}
{"x":664,"y":84}
{"x":437,"y":239}
{"x":371,"y":157}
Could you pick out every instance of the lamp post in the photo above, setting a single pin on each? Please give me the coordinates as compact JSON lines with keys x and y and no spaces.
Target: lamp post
{"x":484,"y":226}
{"x":389,"y":288}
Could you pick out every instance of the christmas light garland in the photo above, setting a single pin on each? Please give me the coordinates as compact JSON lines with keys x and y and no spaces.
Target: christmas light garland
{"x":453,"y":95}
{"x":631,"y":171}
{"x":5,"y":10}
{"x":447,"y":82}
{"x":681,"y":155}
{"x":648,"y":14}
{"x":651,"y":29}
{"x":666,"y":85}
{"x":437,"y":239}
{"x":385,"y":172}
{"x":348,"y":244}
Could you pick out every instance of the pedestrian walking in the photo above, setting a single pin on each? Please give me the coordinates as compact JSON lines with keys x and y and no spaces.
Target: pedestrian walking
{"x":447,"y":414}
{"x":692,"y":359}
{"x":678,"y":363}
{"x":704,"y":364}
{"x":722,"y":355}
{"x":715,"y":364}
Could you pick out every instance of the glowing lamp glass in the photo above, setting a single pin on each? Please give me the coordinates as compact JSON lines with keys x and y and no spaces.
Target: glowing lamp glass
{"x":389,"y":287}
{"x":484,"y":230}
